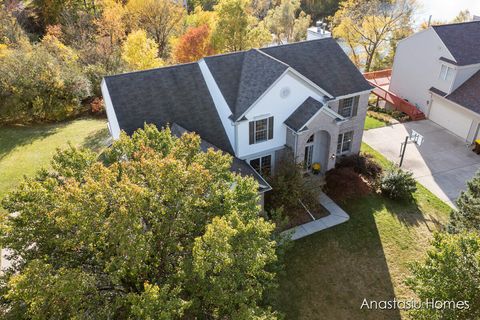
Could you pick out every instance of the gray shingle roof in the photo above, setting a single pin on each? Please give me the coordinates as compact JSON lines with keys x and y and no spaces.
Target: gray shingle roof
{"x":303,"y":113}
{"x":462,"y":40}
{"x":244,"y":77}
{"x":238,"y":166}
{"x":468,"y":94}
{"x":166,"y":95}
{"x":324,"y":63}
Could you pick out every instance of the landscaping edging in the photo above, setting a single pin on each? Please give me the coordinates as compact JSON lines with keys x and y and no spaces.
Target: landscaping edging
{"x":337,"y":216}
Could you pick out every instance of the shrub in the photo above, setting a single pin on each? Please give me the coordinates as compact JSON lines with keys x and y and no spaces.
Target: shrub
{"x":398,"y":184}
{"x":38,"y":86}
{"x":289,"y":186}
{"x":362,"y":164}
{"x":343,"y":183}
{"x":97,"y":106}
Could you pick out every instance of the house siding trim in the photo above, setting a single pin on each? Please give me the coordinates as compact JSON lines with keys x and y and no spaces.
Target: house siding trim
{"x":219,"y":101}
{"x":113,"y":125}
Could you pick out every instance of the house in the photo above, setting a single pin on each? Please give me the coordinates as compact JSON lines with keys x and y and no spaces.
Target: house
{"x":438,"y":70}
{"x":306,"y":97}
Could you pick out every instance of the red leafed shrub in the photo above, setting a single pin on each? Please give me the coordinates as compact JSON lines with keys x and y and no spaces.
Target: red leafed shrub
{"x":97,"y":106}
{"x":344,"y":183}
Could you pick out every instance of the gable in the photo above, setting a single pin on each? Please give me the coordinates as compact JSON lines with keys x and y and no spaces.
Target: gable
{"x":462,"y":40}
{"x":324,"y":63}
{"x":244,"y":77}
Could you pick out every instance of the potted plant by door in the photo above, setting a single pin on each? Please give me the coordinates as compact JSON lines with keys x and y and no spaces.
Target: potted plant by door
{"x":316,"y":167}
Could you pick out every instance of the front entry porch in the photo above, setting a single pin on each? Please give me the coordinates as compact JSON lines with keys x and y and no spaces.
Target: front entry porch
{"x":315,"y":148}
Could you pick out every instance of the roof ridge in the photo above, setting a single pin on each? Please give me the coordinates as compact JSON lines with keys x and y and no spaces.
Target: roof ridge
{"x":273,"y":58}
{"x":151,"y":70}
{"x":455,"y":23}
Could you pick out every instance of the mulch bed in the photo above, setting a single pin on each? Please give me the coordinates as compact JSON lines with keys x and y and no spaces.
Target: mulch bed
{"x":298,"y":215}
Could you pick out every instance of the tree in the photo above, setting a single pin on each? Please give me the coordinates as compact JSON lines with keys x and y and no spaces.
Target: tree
{"x":320,"y":9}
{"x":285,"y":24}
{"x":41,"y":83}
{"x":463,"y":16}
{"x":199,"y":18}
{"x":48,"y":12}
{"x":11,"y":33}
{"x":193,"y":45}
{"x":467,"y":215}
{"x":156,"y":230}
{"x":367,"y":26}
{"x":237,"y":29}
{"x":140,"y":52}
{"x":450,"y":272}
{"x":160,"y":18}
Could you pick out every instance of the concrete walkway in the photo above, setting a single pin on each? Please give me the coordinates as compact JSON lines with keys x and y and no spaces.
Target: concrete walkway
{"x":336,"y":216}
{"x":443,"y":163}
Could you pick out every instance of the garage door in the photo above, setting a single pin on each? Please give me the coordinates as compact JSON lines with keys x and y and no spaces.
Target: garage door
{"x":450,"y":118}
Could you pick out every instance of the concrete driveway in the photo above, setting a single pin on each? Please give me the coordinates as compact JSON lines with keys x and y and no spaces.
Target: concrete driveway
{"x":443,"y":163}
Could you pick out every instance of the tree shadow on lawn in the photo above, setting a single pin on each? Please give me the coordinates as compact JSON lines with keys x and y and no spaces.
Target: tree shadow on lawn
{"x":12,"y":137}
{"x":329,"y":274}
{"x":410,"y":215}
{"x":97,"y":140}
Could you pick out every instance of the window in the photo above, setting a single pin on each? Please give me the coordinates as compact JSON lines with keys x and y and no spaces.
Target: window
{"x":446,"y":73}
{"x":308,"y":157}
{"x":348,"y":107}
{"x":344,"y":143}
{"x":262,"y":165}
{"x":310,"y":139}
{"x":261,"y":130}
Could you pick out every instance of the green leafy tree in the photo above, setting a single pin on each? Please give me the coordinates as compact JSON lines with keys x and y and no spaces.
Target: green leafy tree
{"x":467,"y":215}
{"x":139,"y":52}
{"x":450,"y":272}
{"x":157,"y":230}
{"x":320,"y":9}
{"x":41,"y":83}
{"x":287,"y":22}
{"x":237,"y":29}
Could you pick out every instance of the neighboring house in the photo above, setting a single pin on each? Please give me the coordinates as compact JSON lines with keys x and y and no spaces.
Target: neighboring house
{"x":306,"y":97}
{"x":438,"y":70}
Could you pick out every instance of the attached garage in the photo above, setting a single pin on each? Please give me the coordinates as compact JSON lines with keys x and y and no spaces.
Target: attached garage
{"x":451,"y":117}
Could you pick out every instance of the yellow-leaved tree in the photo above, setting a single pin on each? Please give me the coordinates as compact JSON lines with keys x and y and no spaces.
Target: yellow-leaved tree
{"x":369,"y":27}
{"x":139,"y":52}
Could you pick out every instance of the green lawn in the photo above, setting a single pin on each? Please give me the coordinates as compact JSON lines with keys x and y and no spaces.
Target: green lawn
{"x":24,"y":150}
{"x":372,"y":123}
{"x":329,"y":274}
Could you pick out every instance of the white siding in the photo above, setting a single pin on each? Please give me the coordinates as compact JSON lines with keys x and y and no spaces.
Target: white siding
{"x":272,"y":104}
{"x":112,"y":117}
{"x":416,"y":68}
{"x":463,"y":74}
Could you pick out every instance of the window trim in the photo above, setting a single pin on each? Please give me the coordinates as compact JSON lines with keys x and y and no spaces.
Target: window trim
{"x":342,"y":143}
{"x":446,"y":73}
{"x":352,"y":106}
{"x":252,"y":128}
{"x":260,"y":159}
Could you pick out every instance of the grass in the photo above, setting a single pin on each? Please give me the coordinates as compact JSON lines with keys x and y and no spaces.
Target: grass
{"x":24,"y":150}
{"x":372,"y":123}
{"x":329,"y":274}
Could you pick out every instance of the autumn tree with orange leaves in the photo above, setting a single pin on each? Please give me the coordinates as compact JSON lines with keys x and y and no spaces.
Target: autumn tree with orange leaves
{"x":194,"y":45}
